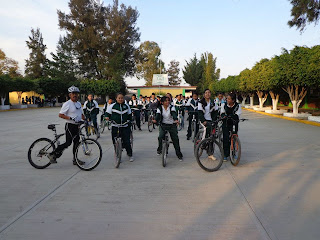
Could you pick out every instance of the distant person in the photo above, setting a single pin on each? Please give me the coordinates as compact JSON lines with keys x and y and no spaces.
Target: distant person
{"x":91,"y":110}
{"x":54,"y":100}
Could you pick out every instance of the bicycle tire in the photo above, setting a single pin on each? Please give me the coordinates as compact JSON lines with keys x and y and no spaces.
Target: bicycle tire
{"x":235,"y":150}
{"x":164,"y":153}
{"x":89,"y":142}
{"x":194,"y":128}
{"x":131,"y":139}
{"x":219,"y":156}
{"x":118,"y":153}
{"x":197,"y":140}
{"x":180,"y":120}
{"x":102,"y":126}
{"x":109,"y":126}
{"x":150,"y":124}
{"x":32,"y":161}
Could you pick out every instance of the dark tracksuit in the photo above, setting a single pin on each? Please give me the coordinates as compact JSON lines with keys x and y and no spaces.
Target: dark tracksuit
{"x":193,"y":111}
{"x":171,"y":128}
{"x":121,"y":114}
{"x":72,"y":135}
{"x":136,"y":111}
{"x":227,"y":126}
{"x":91,"y":112}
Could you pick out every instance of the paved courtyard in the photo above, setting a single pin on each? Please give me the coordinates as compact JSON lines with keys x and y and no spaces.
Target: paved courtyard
{"x":273,"y":194}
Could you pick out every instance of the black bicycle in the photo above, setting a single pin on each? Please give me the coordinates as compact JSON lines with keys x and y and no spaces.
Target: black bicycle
{"x":165,"y":147}
{"x":209,"y":151}
{"x":88,"y":152}
{"x":150,"y":120}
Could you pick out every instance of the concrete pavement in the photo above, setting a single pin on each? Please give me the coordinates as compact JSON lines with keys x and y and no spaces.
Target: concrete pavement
{"x":272,"y":194}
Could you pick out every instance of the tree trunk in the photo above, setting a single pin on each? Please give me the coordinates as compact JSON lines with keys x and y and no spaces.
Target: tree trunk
{"x":251,"y":101}
{"x":295,"y":97}
{"x":275,"y":100}
{"x":3,"y":99}
{"x":262,"y":98}
{"x":244,"y":98}
{"x":19,"y":96}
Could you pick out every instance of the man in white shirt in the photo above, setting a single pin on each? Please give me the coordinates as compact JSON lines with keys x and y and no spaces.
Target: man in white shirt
{"x":71,"y":111}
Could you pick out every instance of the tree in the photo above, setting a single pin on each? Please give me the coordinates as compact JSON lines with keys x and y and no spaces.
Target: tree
{"x":244,"y":84}
{"x":63,"y":66}
{"x":8,"y":66}
{"x":211,"y":73}
{"x":303,"y":12}
{"x":6,"y":85}
{"x":21,"y":85}
{"x":37,"y":58}
{"x":148,"y":61}
{"x":173,"y":73}
{"x":102,"y":38}
{"x":101,"y":87}
{"x":193,"y":71}
{"x":52,"y":87}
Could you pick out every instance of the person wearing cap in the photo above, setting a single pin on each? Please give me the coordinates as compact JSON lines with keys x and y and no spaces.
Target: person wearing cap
{"x":91,"y":110}
{"x":71,"y":111}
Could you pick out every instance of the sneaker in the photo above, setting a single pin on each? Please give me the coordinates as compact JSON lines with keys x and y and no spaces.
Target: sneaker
{"x":140,"y":129}
{"x":180,"y":158}
{"x":188,"y":138}
{"x":52,"y":158}
{"x":225,"y":159}
{"x":159,"y":153}
{"x":131,"y":159}
{"x":211,"y":157}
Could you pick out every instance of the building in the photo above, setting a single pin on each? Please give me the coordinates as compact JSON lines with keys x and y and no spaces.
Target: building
{"x":162,"y":90}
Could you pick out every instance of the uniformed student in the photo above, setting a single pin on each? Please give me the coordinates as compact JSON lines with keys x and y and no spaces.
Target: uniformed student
{"x":91,"y":109}
{"x":192,"y":107}
{"x":135,"y":106}
{"x":119,"y":113}
{"x":167,"y":117}
{"x":233,"y":110}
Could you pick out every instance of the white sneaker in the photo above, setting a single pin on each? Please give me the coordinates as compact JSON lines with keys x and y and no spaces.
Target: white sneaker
{"x":211,"y":157}
{"x":131,"y":159}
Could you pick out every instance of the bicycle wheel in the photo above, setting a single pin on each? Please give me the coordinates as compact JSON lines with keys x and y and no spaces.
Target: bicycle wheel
{"x":193,"y":128}
{"x":164,"y":153}
{"x":109,"y":125}
{"x":180,"y":120}
{"x":209,"y":155}
{"x":131,"y":140}
{"x":88,"y":151}
{"x":102,"y":126}
{"x":197,"y":140}
{"x":150,"y":124}
{"x":93,"y":132}
{"x":235,"y":150}
{"x":38,"y":151}
{"x":118,"y":152}
{"x":84,"y":131}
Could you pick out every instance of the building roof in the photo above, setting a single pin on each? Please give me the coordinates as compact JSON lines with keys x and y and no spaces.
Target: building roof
{"x":163,"y":86}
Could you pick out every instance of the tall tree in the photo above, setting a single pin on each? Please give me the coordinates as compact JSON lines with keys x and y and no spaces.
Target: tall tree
{"x":103,"y":38}
{"x":303,"y":12}
{"x":37,"y":58}
{"x":63,"y":64}
{"x":193,"y":71}
{"x":8,"y":65}
{"x":148,"y":61}
{"x":173,"y":73}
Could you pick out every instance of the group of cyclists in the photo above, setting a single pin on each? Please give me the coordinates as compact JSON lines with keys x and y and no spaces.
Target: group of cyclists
{"x":165,"y":109}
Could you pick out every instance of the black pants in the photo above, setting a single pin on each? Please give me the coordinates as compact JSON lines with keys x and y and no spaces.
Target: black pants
{"x":227,"y":127}
{"x":93,"y":118}
{"x":124,"y":133}
{"x":173,"y":131}
{"x":72,"y":134}
{"x":137,"y":115}
{"x":190,"y":123}
{"x":146,"y":115}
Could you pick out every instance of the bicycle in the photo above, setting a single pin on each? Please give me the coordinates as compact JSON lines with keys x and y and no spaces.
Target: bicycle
{"x":193,"y":126}
{"x":150,"y":120}
{"x":133,"y":122}
{"x":142,"y":116}
{"x":165,"y":147}
{"x":118,"y":146}
{"x":235,"y":144}
{"x":180,"y":120}
{"x":213,"y":158}
{"x":103,"y":123}
{"x":88,"y":151}
{"x":89,"y":130}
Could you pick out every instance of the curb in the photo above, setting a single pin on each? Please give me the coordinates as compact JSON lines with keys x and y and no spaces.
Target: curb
{"x":23,"y":109}
{"x":286,"y":118}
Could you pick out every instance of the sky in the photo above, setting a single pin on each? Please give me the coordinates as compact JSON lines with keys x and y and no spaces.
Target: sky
{"x":237,"y":32}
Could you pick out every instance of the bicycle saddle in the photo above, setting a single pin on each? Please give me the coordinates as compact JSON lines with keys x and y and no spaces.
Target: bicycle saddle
{"x":52,"y":126}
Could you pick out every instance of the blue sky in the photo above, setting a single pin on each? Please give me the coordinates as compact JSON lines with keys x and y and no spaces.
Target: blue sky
{"x":237,"y":32}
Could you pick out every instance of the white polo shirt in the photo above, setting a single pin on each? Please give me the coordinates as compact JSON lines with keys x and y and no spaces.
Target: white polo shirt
{"x":166,"y":114}
{"x":72,"y":109}
{"x":207,"y":110}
